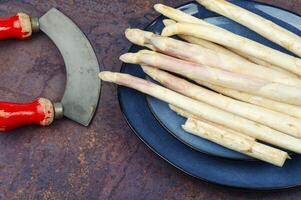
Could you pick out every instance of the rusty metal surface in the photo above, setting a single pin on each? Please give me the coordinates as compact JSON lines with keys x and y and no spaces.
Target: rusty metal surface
{"x":106,"y":160}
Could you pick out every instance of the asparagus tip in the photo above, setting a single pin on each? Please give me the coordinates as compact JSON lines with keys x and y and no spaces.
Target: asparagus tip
{"x":168,"y":30}
{"x":107,"y":76}
{"x":159,"y":43}
{"x":129,"y":58}
{"x":135,"y":36}
{"x":158,"y":6}
{"x":168,"y":22}
{"x":139,"y":37}
{"x":127,"y":31}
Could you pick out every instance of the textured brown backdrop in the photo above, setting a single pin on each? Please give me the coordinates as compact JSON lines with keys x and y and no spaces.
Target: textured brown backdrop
{"x":106,"y":160}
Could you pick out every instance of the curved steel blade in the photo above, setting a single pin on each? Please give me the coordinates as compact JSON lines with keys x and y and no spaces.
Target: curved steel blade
{"x":83,"y":86}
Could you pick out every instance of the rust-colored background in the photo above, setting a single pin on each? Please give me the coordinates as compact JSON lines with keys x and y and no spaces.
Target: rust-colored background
{"x":106,"y":160}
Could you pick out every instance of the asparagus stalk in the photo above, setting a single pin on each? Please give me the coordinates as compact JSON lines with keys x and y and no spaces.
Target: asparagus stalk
{"x":206,"y":111}
{"x":275,"y":120}
{"x":235,"y":142}
{"x":288,"y":109}
{"x":204,"y":43}
{"x":258,"y":24}
{"x":204,"y":56}
{"x":266,"y":64}
{"x":187,"y":115}
{"x":231,"y":40}
{"x":197,"y":72}
{"x":179,"y":16}
{"x":290,"y":63}
{"x":210,"y":45}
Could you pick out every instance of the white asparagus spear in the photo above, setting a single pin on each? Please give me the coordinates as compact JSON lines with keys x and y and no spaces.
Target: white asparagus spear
{"x":187,"y":115}
{"x":204,"y":43}
{"x":200,"y":41}
{"x":237,"y":42}
{"x":180,"y":16}
{"x":201,"y":55}
{"x":140,"y":37}
{"x":258,"y":24}
{"x":220,"y":49}
{"x":275,"y":120}
{"x":194,"y":71}
{"x":206,"y":111}
{"x":177,"y":15}
{"x":235,"y":142}
{"x":266,"y":64}
{"x":235,"y":53}
{"x":288,"y":109}
{"x":143,"y":38}
{"x":210,"y":45}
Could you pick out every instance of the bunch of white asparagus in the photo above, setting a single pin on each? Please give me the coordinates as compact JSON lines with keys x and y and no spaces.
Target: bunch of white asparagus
{"x":241,"y":92}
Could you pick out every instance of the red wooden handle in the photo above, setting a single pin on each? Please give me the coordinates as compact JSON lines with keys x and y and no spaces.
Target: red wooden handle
{"x":18,"y":26}
{"x":14,"y":115}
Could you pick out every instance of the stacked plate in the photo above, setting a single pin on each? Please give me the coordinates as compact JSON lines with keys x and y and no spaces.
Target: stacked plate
{"x":159,"y":127}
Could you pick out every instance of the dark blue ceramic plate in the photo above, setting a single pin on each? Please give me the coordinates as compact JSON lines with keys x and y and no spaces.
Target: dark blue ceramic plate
{"x":170,"y":120}
{"x":235,"y":173}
